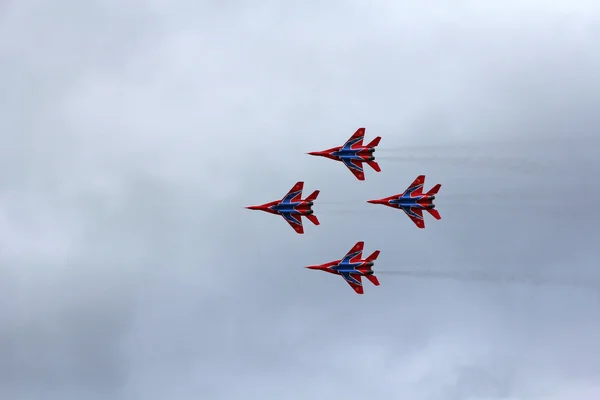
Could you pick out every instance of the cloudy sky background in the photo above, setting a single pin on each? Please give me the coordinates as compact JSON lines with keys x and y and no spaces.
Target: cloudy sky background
{"x":134,"y":132}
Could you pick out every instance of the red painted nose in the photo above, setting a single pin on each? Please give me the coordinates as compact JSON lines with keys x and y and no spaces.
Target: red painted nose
{"x":376,"y":201}
{"x":313,"y":267}
{"x":254,"y":207}
{"x":317,"y":153}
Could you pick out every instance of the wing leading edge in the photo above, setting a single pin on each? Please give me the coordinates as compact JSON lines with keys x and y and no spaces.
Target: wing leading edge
{"x":354,"y":281}
{"x":355,"y":253}
{"x":415,"y":215}
{"x":356,"y":167}
{"x":295,"y":221}
{"x":415,"y":188}
{"x":295,"y":194}
{"x":356,"y":140}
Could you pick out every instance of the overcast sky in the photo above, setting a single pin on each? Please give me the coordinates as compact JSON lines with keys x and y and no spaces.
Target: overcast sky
{"x":133,"y":133}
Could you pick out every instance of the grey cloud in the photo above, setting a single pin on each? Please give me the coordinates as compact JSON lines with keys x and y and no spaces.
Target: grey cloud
{"x":134,"y":133}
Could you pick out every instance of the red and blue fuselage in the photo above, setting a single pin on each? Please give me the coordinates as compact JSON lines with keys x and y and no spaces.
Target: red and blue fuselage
{"x":406,"y":201}
{"x":347,"y":154}
{"x":353,"y":154}
{"x":413,"y":201}
{"x":292,"y":207}
{"x":352,"y":267}
{"x":299,"y":207}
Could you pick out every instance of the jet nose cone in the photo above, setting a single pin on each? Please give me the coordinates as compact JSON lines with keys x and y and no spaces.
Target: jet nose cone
{"x":252,"y":207}
{"x":313,"y":153}
{"x":373,"y":201}
{"x":312,"y":267}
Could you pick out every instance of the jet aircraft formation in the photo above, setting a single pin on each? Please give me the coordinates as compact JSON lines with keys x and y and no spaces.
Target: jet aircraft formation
{"x":353,"y":154}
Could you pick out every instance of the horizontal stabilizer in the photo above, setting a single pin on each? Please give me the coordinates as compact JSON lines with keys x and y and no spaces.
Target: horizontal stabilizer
{"x":313,"y":196}
{"x":373,"y":256}
{"x":374,"y":165}
{"x":373,"y":279}
{"x":434,"y":190}
{"x":374,"y":142}
{"x":435,"y":213}
{"x":313,"y":218}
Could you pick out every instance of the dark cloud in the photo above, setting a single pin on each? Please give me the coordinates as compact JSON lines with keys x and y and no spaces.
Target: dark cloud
{"x":134,"y":133}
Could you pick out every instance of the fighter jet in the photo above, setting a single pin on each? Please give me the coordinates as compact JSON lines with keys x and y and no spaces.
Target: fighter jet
{"x":351,"y":267}
{"x":413,"y":201}
{"x":353,"y":153}
{"x":292,"y":207}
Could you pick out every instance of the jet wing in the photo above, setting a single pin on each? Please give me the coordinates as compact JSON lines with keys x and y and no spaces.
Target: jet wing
{"x":356,"y":167}
{"x":354,"y":281}
{"x":415,"y":188}
{"x":416,"y":216}
{"x":355,"y":141}
{"x":354,"y":254}
{"x":295,"y":221}
{"x":295,"y":193}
